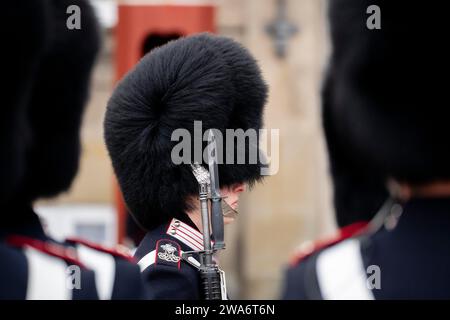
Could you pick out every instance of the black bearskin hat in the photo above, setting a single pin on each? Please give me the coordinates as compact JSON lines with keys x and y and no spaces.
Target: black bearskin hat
{"x":387,"y":100}
{"x":204,"y":78}
{"x":358,"y":193}
{"x":57,"y":103}
{"x":23,"y":30}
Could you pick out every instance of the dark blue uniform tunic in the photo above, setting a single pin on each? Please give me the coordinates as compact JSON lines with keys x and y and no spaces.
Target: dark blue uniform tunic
{"x":409,"y":261}
{"x":34,"y":266}
{"x":166,"y":275}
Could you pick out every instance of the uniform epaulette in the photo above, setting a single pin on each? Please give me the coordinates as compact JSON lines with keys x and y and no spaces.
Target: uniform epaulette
{"x":48,"y":247}
{"x":309,"y":248}
{"x":112,"y":251}
{"x":168,"y":252}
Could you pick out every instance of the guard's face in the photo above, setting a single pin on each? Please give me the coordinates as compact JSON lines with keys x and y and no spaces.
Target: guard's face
{"x":231,"y":197}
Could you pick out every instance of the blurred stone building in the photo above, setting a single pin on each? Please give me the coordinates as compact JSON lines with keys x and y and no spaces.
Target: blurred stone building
{"x":290,"y":207}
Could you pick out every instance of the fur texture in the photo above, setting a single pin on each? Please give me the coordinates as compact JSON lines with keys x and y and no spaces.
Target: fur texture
{"x":57,"y":103}
{"x":388,"y":102}
{"x":198,"y":78}
{"x":358,"y":193}
{"x":23,"y":30}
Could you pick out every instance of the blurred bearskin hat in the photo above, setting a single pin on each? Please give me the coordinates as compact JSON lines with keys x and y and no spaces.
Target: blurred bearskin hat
{"x":58,"y":100}
{"x":358,"y":193}
{"x":388,"y":100}
{"x":23,"y":30}
{"x":204,"y":78}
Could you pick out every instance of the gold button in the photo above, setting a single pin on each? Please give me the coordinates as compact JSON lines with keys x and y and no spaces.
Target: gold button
{"x":176,"y":223}
{"x":173,"y":231}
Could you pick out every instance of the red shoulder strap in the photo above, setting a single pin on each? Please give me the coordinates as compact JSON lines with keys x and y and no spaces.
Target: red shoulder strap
{"x":101,"y":248}
{"x":344,"y":233}
{"x":47,"y":247}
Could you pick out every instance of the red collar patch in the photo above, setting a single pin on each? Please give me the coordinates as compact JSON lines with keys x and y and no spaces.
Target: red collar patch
{"x":53,"y":249}
{"x":101,"y":248}
{"x":309,"y":248}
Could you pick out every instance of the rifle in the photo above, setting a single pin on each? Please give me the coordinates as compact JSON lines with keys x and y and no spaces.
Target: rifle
{"x":212,"y":278}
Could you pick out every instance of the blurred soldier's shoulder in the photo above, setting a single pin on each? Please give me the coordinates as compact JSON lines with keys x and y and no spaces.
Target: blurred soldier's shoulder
{"x":38,"y":268}
{"x":309,"y":248}
{"x":35,"y":268}
{"x":314,"y":265}
{"x":118,"y":275}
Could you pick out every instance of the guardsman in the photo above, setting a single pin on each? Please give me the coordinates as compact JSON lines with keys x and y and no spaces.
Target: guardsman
{"x":204,"y":80}
{"x":47,"y":67}
{"x":385,"y":106}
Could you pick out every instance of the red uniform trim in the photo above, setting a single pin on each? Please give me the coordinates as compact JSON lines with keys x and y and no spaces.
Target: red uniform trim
{"x":47,"y":247}
{"x":102,"y":248}
{"x":344,"y":233}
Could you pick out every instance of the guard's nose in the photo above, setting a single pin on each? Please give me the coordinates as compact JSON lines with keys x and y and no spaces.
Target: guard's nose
{"x":239,"y":187}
